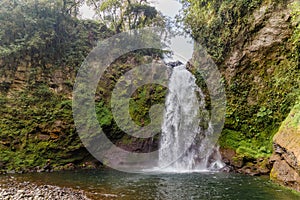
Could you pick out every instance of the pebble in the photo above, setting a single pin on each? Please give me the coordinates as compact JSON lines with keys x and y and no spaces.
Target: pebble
{"x":29,"y":191}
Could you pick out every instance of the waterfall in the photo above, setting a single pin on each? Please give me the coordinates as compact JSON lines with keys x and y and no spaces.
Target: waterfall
{"x":185,"y":145}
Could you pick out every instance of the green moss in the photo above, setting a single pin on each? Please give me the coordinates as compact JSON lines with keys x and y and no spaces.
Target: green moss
{"x":104,"y":114}
{"x":37,"y":125}
{"x":245,"y":147}
{"x":293,"y":120}
{"x":142,"y":100}
{"x":231,"y":139}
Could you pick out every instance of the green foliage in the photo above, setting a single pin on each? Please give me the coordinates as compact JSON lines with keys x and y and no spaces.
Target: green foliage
{"x":104,"y":114}
{"x":261,"y":90}
{"x":123,"y":15}
{"x":257,"y":110}
{"x":249,"y":151}
{"x":245,"y":147}
{"x":36,"y":122}
{"x":110,"y":5}
{"x":45,"y":30}
{"x":264,"y":116}
{"x":296,"y":21}
{"x":215,"y":24}
{"x":292,"y":122}
{"x":35,"y":129}
{"x":41,"y":37}
{"x":142,"y":100}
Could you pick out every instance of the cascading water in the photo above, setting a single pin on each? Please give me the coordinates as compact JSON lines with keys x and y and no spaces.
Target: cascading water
{"x":185,"y":144}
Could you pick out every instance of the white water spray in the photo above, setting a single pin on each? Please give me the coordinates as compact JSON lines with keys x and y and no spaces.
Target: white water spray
{"x":185,"y":146}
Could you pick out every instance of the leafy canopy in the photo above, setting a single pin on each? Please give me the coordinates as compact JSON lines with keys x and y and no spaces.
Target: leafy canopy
{"x":122,"y":15}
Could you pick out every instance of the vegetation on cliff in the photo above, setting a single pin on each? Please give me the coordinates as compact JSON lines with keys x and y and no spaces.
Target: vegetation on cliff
{"x":43,"y":43}
{"x":256,"y":45}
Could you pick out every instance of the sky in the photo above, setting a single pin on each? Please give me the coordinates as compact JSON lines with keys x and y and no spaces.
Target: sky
{"x":168,"y":7}
{"x":86,"y":12}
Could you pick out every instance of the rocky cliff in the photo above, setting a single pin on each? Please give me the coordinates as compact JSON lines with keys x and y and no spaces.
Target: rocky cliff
{"x":263,"y":80}
{"x":38,"y":66}
{"x":254,"y":43}
{"x":256,"y":46}
{"x":36,"y":125}
{"x":261,"y":71}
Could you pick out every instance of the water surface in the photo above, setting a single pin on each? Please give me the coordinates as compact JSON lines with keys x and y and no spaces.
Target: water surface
{"x":110,"y":184}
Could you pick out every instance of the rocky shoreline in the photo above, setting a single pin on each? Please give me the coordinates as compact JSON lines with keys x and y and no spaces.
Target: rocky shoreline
{"x":49,"y":167}
{"x":244,"y":165}
{"x":14,"y":190}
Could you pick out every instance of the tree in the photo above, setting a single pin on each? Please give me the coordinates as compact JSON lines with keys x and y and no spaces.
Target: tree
{"x":71,"y":7}
{"x":44,"y":28}
{"x":211,"y":22}
{"x":122,"y":15}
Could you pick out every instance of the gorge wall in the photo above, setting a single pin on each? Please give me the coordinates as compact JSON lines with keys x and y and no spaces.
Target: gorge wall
{"x":255,"y":45}
{"x":40,"y":54}
{"x":36,"y":84}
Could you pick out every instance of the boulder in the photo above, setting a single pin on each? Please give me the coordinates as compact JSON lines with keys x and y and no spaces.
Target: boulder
{"x":174,"y":64}
{"x":286,"y":156}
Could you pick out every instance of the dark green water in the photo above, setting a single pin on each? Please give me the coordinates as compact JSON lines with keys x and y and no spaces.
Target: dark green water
{"x":109,"y":184}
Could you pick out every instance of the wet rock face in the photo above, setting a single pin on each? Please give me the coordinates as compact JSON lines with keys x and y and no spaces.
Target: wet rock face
{"x":286,"y":156}
{"x":20,"y":75}
{"x":272,"y":28}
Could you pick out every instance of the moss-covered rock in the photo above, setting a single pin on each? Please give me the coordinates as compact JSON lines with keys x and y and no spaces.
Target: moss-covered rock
{"x":286,"y":157}
{"x":36,"y":82}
